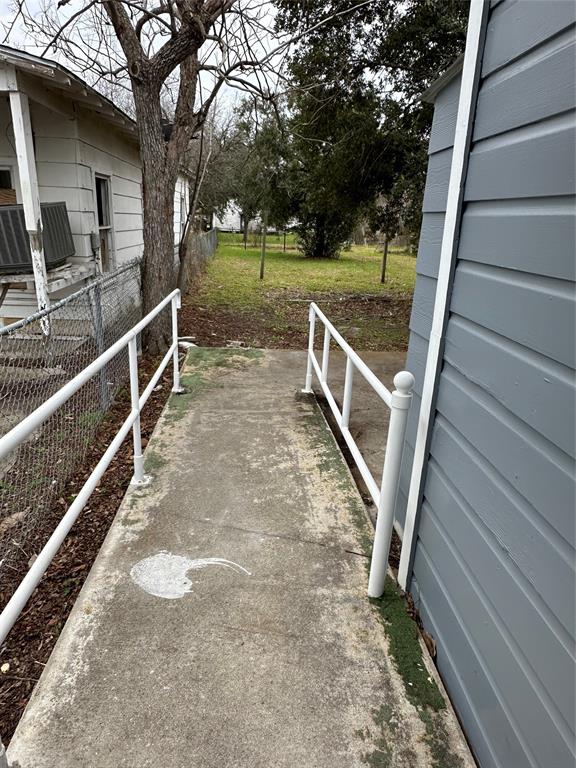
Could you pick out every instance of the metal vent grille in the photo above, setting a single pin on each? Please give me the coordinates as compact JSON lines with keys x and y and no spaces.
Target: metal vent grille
{"x":15,"y":256}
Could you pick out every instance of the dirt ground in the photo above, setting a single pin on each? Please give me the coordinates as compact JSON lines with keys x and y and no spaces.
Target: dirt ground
{"x":33,"y":637}
{"x":283,"y":322}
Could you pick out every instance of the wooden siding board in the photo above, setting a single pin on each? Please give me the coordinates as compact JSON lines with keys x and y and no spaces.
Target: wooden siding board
{"x":496,"y":535}
{"x":416,"y":360}
{"x":516,"y":604}
{"x":455,"y":684}
{"x":526,"y":309}
{"x":526,"y":384}
{"x":538,"y":236}
{"x":488,"y":725}
{"x":415,"y":363}
{"x":436,"y":190}
{"x":123,"y":204}
{"x":445,"y":112}
{"x":126,"y":239}
{"x":127,"y":222}
{"x":126,"y":188}
{"x":400,"y":508}
{"x":57,"y":175}
{"x":530,"y":542}
{"x":502,"y":105}
{"x":534,"y":166}
{"x":412,"y":423}
{"x":405,"y":471}
{"x":429,"y":244}
{"x":55,"y":150}
{"x":517,"y":26}
{"x":543,"y":737}
{"x":529,"y":463}
{"x":76,"y":199}
{"x":423,"y":306}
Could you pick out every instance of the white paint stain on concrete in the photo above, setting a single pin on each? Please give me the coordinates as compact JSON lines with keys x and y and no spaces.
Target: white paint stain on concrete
{"x":164,"y":574}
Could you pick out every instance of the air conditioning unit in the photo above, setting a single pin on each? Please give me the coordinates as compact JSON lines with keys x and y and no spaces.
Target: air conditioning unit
{"x":15,"y":256}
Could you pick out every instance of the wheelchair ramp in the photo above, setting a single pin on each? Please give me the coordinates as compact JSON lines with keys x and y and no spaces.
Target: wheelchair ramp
{"x":225,"y":622}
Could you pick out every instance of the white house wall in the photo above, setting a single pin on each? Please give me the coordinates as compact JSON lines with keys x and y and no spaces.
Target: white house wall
{"x":102,"y":150}
{"x":55,"y":144}
{"x":181,"y":192}
{"x":72,"y":145}
{"x":231,"y":220}
{"x":59,"y":177}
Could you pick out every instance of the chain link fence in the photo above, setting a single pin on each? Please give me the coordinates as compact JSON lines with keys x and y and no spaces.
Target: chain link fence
{"x":38,"y":356}
{"x":200,"y":247}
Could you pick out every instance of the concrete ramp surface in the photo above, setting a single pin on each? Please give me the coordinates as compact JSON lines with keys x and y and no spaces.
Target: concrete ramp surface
{"x":224,"y":623}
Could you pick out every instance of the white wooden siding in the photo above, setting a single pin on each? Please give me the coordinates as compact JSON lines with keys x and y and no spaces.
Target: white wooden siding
{"x":70,"y":151}
{"x":104,"y":151}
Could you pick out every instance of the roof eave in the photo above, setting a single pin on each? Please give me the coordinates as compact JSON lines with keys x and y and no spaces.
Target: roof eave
{"x":62,"y":78}
{"x":430,"y":94}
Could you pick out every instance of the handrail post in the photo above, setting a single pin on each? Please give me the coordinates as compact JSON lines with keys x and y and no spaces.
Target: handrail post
{"x":176,"y":304}
{"x":325,"y":353}
{"x":347,"y":401}
{"x":401,"y":399}
{"x":139,"y":477}
{"x":312,"y":322}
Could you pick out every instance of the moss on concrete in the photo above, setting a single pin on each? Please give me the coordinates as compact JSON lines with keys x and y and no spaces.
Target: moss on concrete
{"x":201,"y":362}
{"x":402,"y":631}
{"x":332,"y":463}
{"x":405,"y":647}
{"x":153,"y":461}
{"x":438,"y":742}
{"x":211,"y":357}
{"x":381,"y":756}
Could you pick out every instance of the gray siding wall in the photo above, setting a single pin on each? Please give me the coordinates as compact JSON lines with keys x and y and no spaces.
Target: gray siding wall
{"x":434,"y":208}
{"x":494,"y":570}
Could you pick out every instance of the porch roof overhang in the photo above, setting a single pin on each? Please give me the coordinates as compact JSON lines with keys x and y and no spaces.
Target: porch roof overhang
{"x":62,"y":82}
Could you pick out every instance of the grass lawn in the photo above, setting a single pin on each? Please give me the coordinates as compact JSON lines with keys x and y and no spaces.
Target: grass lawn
{"x":230,"y":301}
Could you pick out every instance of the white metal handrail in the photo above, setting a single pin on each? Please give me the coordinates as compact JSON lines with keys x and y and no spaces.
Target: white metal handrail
{"x":398,"y":401}
{"x":24,"y":429}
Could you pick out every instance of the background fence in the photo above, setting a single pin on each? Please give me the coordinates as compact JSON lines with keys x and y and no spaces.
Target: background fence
{"x":37,"y":357}
{"x":200,"y":248}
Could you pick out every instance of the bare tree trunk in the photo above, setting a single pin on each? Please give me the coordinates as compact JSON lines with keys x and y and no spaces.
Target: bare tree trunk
{"x":284,"y":245}
{"x":183,"y":250}
{"x":263,"y":250}
{"x":246,"y":223}
{"x":158,"y":183}
{"x":384,"y":260}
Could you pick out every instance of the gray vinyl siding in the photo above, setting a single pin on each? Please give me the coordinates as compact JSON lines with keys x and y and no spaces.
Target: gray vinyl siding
{"x":494,"y":572}
{"x":434,"y":207}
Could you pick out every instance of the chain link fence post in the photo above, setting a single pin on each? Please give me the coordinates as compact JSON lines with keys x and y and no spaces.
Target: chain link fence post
{"x":33,"y":367}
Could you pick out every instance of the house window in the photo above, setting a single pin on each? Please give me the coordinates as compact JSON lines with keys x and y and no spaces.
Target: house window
{"x":7,"y":191}
{"x":104,"y":222}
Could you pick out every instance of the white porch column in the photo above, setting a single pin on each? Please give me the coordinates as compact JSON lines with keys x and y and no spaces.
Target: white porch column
{"x":29,"y":188}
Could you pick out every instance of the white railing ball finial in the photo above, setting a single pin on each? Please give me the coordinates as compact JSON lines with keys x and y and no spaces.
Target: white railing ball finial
{"x":404,"y":381}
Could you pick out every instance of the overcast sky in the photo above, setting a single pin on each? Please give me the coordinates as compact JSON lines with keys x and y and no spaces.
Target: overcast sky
{"x":19,"y":38}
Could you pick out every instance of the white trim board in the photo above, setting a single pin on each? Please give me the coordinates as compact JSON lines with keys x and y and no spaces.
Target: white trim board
{"x":471,"y":70}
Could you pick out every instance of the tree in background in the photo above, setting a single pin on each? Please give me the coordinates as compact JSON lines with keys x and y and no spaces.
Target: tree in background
{"x":173,"y":59}
{"x":341,"y":160}
{"x":258,"y":184}
{"x":171,"y":56}
{"x":368,"y":66}
{"x":386,"y":216}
